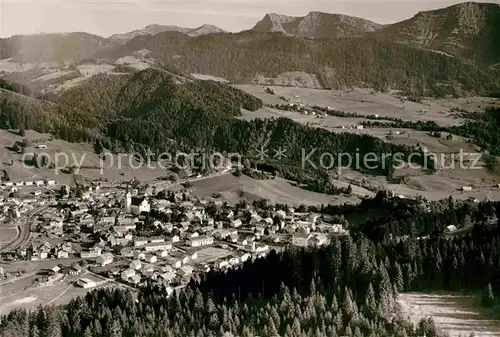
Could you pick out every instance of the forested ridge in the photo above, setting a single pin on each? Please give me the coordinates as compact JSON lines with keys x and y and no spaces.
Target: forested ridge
{"x":343,"y":289}
{"x":337,"y":63}
{"x":181,"y":114}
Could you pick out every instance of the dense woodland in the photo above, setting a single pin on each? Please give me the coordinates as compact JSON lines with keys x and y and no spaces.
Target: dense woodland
{"x":347,"y":288}
{"x":483,"y":129}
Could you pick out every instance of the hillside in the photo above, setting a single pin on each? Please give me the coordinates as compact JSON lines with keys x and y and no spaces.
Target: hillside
{"x":470,"y":30}
{"x":155,"y":29}
{"x":105,"y":99}
{"x":316,"y":25}
{"x":266,"y":57}
{"x":179,"y":114}
{"x":70,"y":47}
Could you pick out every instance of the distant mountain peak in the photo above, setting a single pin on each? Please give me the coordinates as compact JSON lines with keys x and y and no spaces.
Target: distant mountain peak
{"x":154,"y":29}
{"x":316,"y":25}
{"x":468,"y":29}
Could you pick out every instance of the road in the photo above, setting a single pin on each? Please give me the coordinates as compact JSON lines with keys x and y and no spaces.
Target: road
{"x":23,"y":226}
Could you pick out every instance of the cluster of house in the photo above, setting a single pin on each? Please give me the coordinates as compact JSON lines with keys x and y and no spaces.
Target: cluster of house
{"x":29,"y":183}
{"x":137,"y":238}
{"x":13,"y":208}
{"x":351,"y":127}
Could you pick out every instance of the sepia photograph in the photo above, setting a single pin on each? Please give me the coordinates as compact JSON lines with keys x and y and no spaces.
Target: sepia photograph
{"x":249,"y":168}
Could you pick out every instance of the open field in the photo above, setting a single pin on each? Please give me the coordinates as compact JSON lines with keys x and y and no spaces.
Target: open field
{"x":414,"y":182}
{"x":77,"y":154}
{"x":7,"y":235}
{"x":60,"y":293}
{"x":445,"y":182}
{"x":209,"y":254}
{"x":20,"y":293}
{"x":277,"y":190}
{"x":455,"y":314}
{"x":364,"y":102}
{"x":34,"y":266}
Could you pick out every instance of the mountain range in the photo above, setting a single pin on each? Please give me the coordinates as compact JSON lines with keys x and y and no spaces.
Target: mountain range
{"x":470,"y":30}
{"x":453,"y":50}
{"x":155,"y":29}
{"x":317,"y":25}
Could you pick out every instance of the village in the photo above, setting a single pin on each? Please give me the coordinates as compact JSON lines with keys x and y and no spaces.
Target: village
{"x":122,"y":234}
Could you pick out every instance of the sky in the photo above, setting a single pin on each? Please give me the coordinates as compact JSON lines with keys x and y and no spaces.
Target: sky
{"x":118,"y":16}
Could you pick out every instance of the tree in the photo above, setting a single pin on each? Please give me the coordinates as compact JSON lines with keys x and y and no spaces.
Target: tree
{"x":88,"y":332}
{"x":116,"y":329}
{"x":398,"y":278}
{"x":34,"y":331}
{"x":488,"y":299}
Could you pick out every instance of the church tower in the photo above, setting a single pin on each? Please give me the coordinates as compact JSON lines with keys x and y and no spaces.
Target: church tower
{"x":128,"y":201}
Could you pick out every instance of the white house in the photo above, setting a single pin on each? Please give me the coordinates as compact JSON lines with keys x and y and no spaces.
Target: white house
{"x":236,"y":223}
{"x":176,"y":264}
{"x":86,"y":283}
{"x":154,"y":246}
{"x":62,"y":254}
{"x":135,"y":279}
{"x":300,"y":239}
{"x":139,"y":255}
{"x":105,"y":259}
{"x":162,"y":253}
{"x":151,"y":258}
{"x":244,"y":257}
{"x":136,"y":265}
{"x":139,"y":205}
{"x":200,"y":241}
{"x":140,"y":241}
{"x":127,"y":273}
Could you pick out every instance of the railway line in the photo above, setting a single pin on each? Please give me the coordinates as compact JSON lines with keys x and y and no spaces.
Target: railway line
{"x":23,"y":226}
